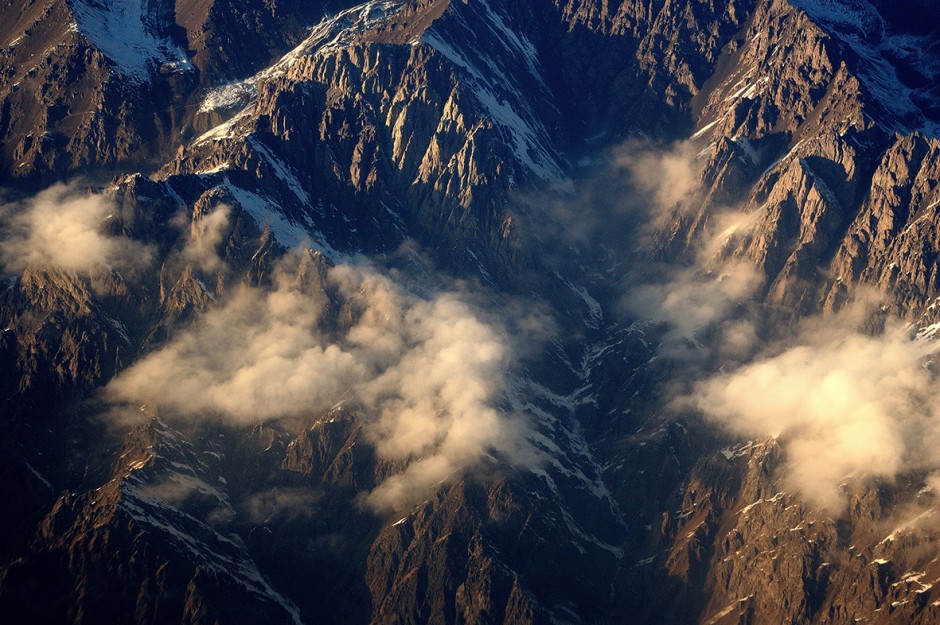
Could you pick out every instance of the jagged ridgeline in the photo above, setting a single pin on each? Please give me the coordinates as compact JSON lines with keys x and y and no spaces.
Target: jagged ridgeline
{"x":472,"y":311}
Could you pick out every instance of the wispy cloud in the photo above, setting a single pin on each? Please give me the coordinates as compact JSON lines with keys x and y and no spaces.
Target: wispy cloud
{"x":430,"y":372}
{"x":203,"y":234}
{"x":665,"y":176}
{"x":842,"y":401}
{"x":64,"y":228}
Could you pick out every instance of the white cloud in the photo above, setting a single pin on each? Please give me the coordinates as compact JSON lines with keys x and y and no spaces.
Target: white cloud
{"x":692,"y":300}
{"x":205,"y":234}
{"x":430,"y":372}
{"x":842,"y":402}
{"x":62,"y":228}
{"x":665,"y":176}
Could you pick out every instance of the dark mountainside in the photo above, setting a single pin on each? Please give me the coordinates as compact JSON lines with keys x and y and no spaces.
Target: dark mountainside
{"x":431,"y":311}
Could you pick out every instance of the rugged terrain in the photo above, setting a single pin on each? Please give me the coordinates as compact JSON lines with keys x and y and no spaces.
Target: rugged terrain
{"x":435,"y":311}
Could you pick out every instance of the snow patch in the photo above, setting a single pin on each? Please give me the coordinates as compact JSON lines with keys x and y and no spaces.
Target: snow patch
{"x":213,"y":170}
{"x":38,"y":476}
{"x":929,"y":332}
{"x":236,"y":565}
{"x":497,"y":90}
{"x":229,"y":96}
{"x":282,"y":171}
{"x":220,"y":132}
{"x":858,"y":25}
{"x":726,"y":610}
{"x":269,"y":214}
{"x":124,"y":31}
{"x":701,"y":131}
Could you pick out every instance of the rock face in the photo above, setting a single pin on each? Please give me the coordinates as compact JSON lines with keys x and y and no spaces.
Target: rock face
{"x":454,"y":146}
{"x":797,"y":99}
{"x":89,"y":87}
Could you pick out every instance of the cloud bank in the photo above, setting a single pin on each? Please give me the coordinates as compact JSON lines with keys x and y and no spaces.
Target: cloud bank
{"x":694,"y":301}
{"x":202,"y":237}
{"x":844,"y":404}
{"x":844,"y":401}
{"x":665,"y":177}
{"x":63,"y":228}
{"x":429,"y":372}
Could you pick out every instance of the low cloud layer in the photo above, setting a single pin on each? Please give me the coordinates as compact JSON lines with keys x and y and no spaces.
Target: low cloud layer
{"x":665,"y":177}
{"x":703,"y":305}
{"x":842,"y":402}
{"x":845,"y":402}
{"x":202,"y":237}
{"x":695,"y":301}
{"x":64,"y":228}
{"x":429,"y":372}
